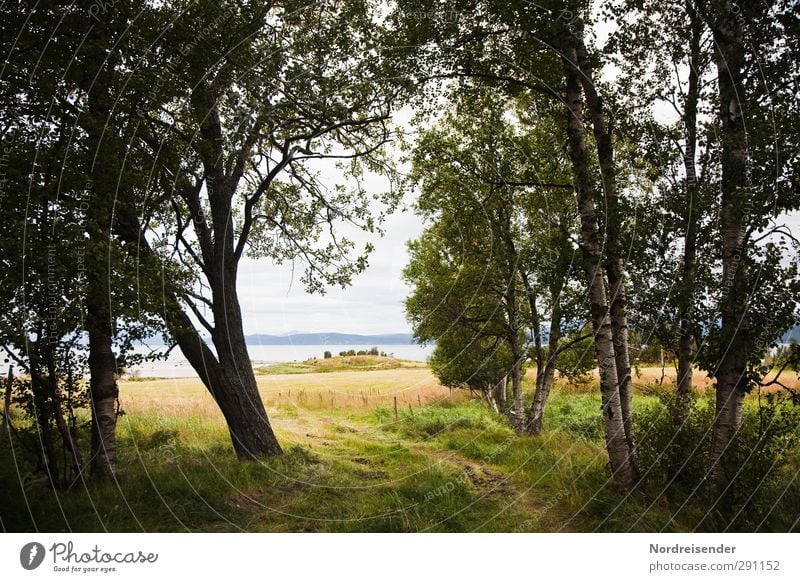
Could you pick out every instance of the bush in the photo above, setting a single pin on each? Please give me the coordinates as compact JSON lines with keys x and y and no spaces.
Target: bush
{"x":765,"y":452}
{"x":327,"y":355}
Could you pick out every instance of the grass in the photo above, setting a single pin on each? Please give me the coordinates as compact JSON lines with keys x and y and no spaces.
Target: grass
{"x":351,"y":464}
{"x":346,"y":390}
{"x":181,"y":476}
{"x":338,"y":364}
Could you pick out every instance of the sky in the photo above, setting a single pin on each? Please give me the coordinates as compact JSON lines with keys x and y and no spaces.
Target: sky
{"x":273,"y":303}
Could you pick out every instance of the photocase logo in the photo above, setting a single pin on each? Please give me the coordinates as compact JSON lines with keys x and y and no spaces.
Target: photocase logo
{"x":31,"y":555}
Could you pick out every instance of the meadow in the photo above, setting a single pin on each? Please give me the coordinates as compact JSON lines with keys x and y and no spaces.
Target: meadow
{"x":438,"y":461}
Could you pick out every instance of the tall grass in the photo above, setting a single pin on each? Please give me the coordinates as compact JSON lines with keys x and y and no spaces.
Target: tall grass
{"x":430,"y":465}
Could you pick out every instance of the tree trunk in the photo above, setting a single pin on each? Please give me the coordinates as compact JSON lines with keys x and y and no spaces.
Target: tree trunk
{"x":488,"y":395}
{"x":502,"y":394}
{"x":533,"y":424}
{"x":518,"y":412}
{"x":512,"y":312}
{"x":614,"y":263}
{"x":48,"y":449}
{"x":731,"y":381}
{"x":103,"y":388}
{"x":536,"y":420}
{"x":622,"y":464}
{"x":104,"y":173}
{"x":232,"y":384}
{"x":247,"y":418}
{"x":104,"y":394}
{"x":68,"y":442}
{"x":7,"y":401}
{"x":687,"y":342}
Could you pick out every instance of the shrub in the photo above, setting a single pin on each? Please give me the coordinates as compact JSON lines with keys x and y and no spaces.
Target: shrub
{"x":673,"y":458}
{"x":327,"y":355}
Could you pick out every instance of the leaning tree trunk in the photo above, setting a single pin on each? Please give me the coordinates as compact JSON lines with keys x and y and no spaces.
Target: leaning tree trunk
{"x":536,"y":420}
{"x":241,"y":403}
{"x":533,"y":424}
{"x":489,"y":396}
{"x":614,"y":264}
{"x":619,"y":452}
{"x":68,"y":441}
{"x":546,"y":373}
{"x":238,"y":400}
{"x":518,"y":412}
{"x":731,"y":380}
{"x":40,"y":405}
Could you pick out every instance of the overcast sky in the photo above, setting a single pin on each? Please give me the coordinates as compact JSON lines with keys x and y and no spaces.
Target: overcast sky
{"x":272,"y":303}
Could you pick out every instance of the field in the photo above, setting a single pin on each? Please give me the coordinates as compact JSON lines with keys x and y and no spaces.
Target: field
{"x":440,"y":461}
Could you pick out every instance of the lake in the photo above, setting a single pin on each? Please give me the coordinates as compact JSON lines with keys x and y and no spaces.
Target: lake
{"x":176,"y":365}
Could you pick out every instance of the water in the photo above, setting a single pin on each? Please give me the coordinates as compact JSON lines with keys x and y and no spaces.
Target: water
{"x":176,"y":365}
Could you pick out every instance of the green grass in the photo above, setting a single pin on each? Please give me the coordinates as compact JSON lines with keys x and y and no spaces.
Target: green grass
{"x":440,"y":468}
{"x":336,"y":364}
{"x":448,"y":467}
{"x":180,"y":474}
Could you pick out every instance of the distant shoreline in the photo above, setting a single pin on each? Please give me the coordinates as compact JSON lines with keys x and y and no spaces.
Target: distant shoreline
{"x":176,"y":365}
{"x":332,"y":339}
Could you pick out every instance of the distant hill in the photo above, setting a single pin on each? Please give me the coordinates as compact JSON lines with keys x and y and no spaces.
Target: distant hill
{"x":331,"y":339}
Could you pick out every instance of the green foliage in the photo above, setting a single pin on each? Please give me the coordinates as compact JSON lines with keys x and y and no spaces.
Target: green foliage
{"x":762,"y":465}
{"x":470,"y":362}
{"x":576,"y":361}
{"x":496,"y":260}
{"x":36,"y":404}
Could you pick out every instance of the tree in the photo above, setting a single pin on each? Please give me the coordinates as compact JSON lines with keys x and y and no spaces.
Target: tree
{"x":52,"y":120}
{"x":758,"y":180}
{"x":549,"y":263}
{"x":457,"y":302}
{"x":519,"y":205}
{"x":477,"y":228}
{"x":235,"y":161}
{"x":734,"y":180}
{"x":472,"y":361}
{"x":526,"y":48}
